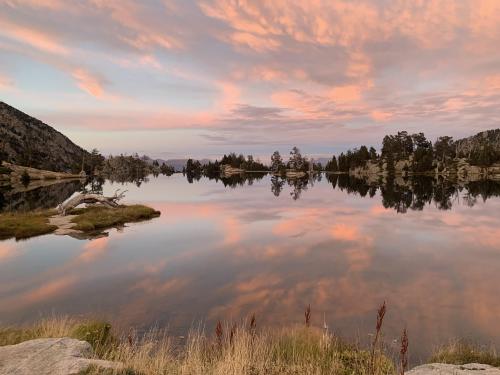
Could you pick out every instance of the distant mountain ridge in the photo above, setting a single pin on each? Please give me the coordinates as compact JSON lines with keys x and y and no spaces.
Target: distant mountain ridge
{"x":177,"y":164}
{"x":27,"y":141}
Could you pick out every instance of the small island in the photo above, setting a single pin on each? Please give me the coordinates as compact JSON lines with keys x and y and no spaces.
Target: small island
{"x":67,"y":219}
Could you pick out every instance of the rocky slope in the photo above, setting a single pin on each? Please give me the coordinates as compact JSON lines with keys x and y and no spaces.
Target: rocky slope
{"x":487,"y":138}
{"x":26,"y":141}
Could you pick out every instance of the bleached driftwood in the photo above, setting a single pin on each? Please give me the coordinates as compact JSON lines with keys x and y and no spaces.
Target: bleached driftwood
{"x":92,"y":199}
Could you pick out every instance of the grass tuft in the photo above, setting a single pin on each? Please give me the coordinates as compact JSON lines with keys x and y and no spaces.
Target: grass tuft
{"x":94,"y":332}
{"x":93,"y":218}
{"x":97,"y":334}
{"x":25,"y":225}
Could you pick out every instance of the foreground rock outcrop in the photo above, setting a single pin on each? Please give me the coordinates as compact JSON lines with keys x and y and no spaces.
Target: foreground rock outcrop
{"x":61,"y":356}
{"x":445,"y":369}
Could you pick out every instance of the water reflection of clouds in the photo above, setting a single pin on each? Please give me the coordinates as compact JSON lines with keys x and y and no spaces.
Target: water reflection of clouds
{"x":8,"y":250}
{"x":240,"y":254}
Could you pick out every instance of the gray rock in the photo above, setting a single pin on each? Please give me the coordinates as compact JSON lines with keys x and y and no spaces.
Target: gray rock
{"x":61,"y":356}
{"x":444,"y":369}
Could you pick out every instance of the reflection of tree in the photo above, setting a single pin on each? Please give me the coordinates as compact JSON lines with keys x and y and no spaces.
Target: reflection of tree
{"x":233,"y":181}
{"x":94,"y":186}
{"x":353,"y":185}
{"x":40,"y":197}
{"x":332,"y":178}
{"x":298,"y":185}
{"x":422,"y":189}
{"x":414,"y":193}
{"x":3,"y":201}
{"x":241,"y":179}
{"x":443,"y":192}
{"x":396,"y":196}
{"x":277,"y":184}
{"x":484,"y":189}
{"x":191,"y":177}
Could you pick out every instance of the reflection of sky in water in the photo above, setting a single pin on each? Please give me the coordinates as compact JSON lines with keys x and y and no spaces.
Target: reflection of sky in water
{"x":219,"y":253}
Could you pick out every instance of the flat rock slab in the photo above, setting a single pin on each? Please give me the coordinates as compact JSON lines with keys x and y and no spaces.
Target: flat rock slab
{"x":64,"y":224}
{"x":62,"y":356}
{"x":444,"y":369}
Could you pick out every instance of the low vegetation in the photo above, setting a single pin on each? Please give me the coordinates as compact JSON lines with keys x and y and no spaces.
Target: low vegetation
{"x":25,"y":225}
{"x":20,"y":225}
{"x":461,"y":352}
{"x":243,"y":349}
{"x":96,"y":217}
{"x":232,"y":349}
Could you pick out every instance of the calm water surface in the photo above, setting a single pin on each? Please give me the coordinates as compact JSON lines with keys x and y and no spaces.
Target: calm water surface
{"x":219,"y":252}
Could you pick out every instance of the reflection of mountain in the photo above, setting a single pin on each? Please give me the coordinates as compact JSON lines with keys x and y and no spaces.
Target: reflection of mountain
{"x":177,"y":164}
{"x":36,"y":195}
{"x":415,"y":193}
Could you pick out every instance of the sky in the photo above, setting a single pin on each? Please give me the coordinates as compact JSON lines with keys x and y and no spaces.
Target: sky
{"x":183,"y":78}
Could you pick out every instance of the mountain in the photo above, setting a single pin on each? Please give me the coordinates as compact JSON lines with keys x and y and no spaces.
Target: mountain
{"x":29,"y":142}
{"x":179,"y":164}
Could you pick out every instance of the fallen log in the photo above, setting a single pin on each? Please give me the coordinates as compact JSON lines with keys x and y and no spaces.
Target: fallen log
{"x":91,"y":199}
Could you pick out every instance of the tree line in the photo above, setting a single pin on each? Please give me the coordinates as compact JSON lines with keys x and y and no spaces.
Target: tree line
{"x":421,"y":153}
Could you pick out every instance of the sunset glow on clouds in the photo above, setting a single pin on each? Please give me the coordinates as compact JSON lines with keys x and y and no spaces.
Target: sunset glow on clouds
{"x":206,"y":77}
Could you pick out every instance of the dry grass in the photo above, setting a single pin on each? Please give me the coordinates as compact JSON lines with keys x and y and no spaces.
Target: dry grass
{"x":22,"y":225}
{"x":234,"y":349}
{"x":238,"y":351}
{"x":460,"y":352}
{"x":93,"y":218}
{"x":97,"y":333}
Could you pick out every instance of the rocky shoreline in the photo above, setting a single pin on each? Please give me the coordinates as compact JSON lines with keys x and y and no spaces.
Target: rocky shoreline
{"x":459,"y":169}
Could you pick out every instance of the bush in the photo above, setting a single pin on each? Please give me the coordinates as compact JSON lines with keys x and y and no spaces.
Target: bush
{"x":97,"y":334}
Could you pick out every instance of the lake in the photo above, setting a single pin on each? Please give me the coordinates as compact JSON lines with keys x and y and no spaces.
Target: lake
{"x":228,"y":249}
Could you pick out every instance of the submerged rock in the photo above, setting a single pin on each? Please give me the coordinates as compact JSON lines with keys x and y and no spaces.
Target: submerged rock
{"x":56,"y":356}
{"x":445,"y":369}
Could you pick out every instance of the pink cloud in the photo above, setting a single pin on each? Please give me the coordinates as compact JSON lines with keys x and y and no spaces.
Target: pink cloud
{"x":133,"y":16}
{"x":49,"y":4}
{"x":6,"y":82}
{"x":88,"y":82}
{"x":381,"y":116}
{"x":340,"y":66}
{"x":348,"y":93}
{"x":33,"y":37}
{"x":257,"y":43}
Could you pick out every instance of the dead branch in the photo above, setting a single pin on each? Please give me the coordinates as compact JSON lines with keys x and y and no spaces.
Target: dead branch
{"x":90,"y":199}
